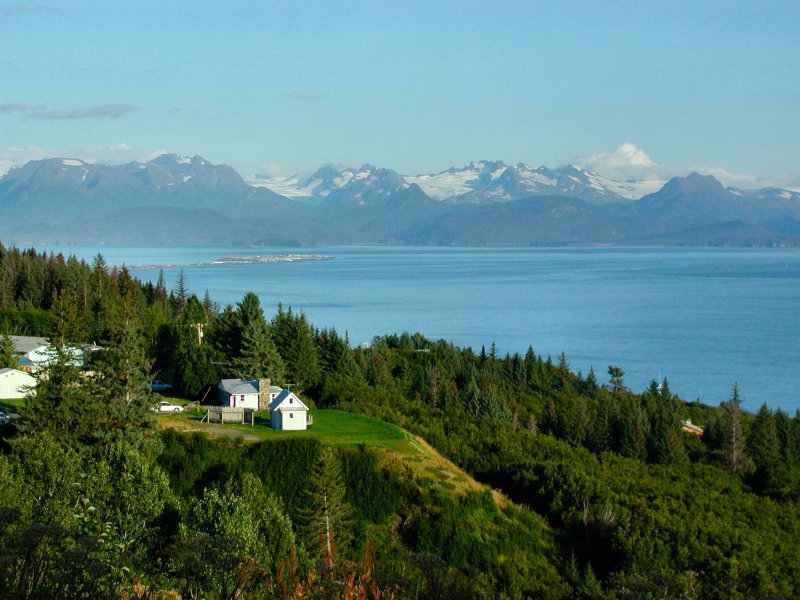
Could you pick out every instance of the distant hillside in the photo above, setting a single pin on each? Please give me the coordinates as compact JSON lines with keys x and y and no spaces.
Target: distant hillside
{"x":175,"y":199}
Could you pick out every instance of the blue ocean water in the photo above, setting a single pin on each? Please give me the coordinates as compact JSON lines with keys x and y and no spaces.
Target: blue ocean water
{"x":703,"y":318}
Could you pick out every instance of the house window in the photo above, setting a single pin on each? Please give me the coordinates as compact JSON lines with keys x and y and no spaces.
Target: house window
{"x":291,"y":415}
{"x":291,"y":399}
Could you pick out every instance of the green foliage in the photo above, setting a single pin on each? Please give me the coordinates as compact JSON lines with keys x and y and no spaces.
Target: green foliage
{"x":194,"y":462}
{"x":80,"y":522}
{"x":259,"y":358}
{"x":626,"y":504}
{"x":8,"y":358}
{"x":285,"y":467}
{"x":63,"y":402}
{"x":325,"y":515}
{"x":231,"y":541}
{"x":294,"y":339}
{"x":372,"y":492}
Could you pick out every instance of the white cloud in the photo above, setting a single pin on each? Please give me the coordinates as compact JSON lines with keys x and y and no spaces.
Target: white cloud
{"x":114,"y":155}
{"x":628,"y":161}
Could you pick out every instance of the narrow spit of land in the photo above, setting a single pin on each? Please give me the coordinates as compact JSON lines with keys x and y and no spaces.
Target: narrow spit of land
{"x":239,"y":260}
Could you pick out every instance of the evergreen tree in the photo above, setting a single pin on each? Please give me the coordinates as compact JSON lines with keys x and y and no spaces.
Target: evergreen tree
{"x":181,"y":293}
{"x":126,"y":405}
{"x":63,"y":402}
{"x":335,"y":356}
{"x":632,"y":430}
{"x":763,"y":448}
{"x":326,"y":516}
{"x":67,"y":322}
{"x":258,"y":357}
{"x":605,"y":416}
{"x":615,"y":379}
{"x":471,"y":398}
{"x":665,"y":441}
{"x":735,"y":458}
{"x":197,"y":364}
{"x":788,"y":436}
{"x":294,"y":339}
{"x":591,"y":383}
{"x":100,"y":278}
{"x":8,"y":358}
{"x":529,"y":366}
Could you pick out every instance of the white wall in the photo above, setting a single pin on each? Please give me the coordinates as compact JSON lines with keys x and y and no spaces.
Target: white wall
{"x":12,"y":384}
{"x":294,"y":420}
{"x":250,"y":401}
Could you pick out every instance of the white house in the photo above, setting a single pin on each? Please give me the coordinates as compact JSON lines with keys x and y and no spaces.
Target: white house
{"x":288,"y":412}
{"x":274,"y":391}
{"x":238,"y":393}
{"x":33,"y":353}
{"x":15,"y":383}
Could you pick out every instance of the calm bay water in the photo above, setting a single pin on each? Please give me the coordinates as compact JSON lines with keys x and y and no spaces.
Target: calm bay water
{"x":703,"y":318}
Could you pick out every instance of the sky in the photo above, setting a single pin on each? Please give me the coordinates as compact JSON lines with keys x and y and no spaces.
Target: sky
{"x":631,"y":89}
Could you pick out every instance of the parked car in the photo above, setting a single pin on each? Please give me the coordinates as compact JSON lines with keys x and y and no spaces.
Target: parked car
{"x":168,"y":407}
{"x":159,"y":386}
{"x":3,"y":418}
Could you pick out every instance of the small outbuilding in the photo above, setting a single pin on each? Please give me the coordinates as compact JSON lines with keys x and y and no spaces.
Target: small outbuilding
{"x":15,"y":383}
{"x":287,"y":412}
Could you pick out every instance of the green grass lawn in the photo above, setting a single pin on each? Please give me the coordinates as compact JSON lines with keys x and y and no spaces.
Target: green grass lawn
{"x":331,"y":427}
{"x":338,"y":428}
{"x":12,"y":405}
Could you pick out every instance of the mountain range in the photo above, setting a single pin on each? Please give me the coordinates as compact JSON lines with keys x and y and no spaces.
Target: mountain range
{"x":176,"y":199}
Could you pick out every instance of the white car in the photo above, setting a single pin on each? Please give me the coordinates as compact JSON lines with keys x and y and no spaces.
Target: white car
{"x":168,"y":407}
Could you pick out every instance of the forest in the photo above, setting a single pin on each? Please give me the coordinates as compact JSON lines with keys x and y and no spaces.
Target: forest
{"x":601,"y":493}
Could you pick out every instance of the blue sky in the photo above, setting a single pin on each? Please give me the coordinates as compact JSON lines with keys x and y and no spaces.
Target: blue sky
{"x":281,"y":87}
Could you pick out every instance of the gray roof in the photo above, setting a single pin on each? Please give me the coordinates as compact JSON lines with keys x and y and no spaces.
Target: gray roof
{"x":282,"y":396}
{"x":238,"y":386}
{"x":25,"y":343}
{"x":10,"y":370}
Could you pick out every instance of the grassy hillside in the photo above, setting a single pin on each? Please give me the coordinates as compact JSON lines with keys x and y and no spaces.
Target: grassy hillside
{"x":338,"y":428}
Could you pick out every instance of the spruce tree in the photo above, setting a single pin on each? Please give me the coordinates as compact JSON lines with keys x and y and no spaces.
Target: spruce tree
{"x":326,"y":516}
{"x":126,"y":404}
{"x":258,"y":357}
{"x":8,"y":358}
{"x":735,"y":457}
{"x":63,"y":402}
{"x":763,"y":448}
{"x":615,"y":379}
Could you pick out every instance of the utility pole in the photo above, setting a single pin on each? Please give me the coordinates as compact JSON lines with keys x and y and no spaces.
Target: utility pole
{"x":199,"y":328}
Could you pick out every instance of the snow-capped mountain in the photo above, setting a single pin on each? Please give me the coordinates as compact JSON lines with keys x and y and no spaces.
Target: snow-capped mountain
{"x":364,"y":185}
{"x":63,"y":189}
{"x":177,"y":199}
{"x":486,"y":181}
{"x":169,"y":170}
{"x":477,"y":183}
